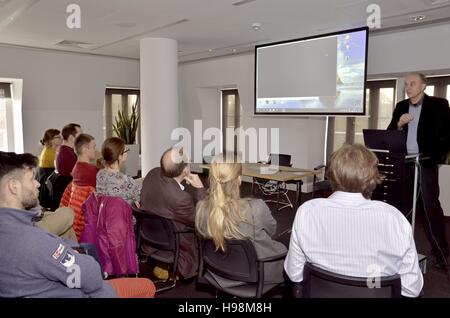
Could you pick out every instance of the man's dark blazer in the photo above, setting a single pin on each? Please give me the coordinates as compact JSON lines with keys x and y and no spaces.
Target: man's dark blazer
{"x":433,"y":131}
{"x":163,"y":196}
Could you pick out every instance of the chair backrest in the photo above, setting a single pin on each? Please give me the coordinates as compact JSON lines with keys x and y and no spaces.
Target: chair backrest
{"x":319,"y":283}
{"x":109,"y":226}
{"x":53,"y":190}
{"x":238,"y":262}
{"x":280,"y":160}
{"x":157,"y":231}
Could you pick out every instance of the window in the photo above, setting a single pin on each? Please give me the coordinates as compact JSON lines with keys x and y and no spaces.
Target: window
{"x":3,"y":130}
{"x":380,"y":102}
{"x":441,"y":86}
{"x":6,"y":133}
{"x":115,"y":100}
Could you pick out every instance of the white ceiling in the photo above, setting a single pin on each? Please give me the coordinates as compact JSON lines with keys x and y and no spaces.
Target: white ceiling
{"x":203,"y":28}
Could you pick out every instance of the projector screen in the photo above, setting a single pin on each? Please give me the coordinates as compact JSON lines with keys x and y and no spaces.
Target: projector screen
{"x":320,"y":75}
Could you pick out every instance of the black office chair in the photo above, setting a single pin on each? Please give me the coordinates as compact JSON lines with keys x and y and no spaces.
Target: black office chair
{"x":159,"y":233}
{"x":271,"y":187}
{"x":321,"y":188}
{"x":319,"y":283}
{"x":238,"y":263}
{"x":53,"y":190}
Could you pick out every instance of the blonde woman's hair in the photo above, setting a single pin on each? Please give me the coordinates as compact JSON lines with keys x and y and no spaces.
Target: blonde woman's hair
{"x":354,"y":168}
{"x":219,"y":214}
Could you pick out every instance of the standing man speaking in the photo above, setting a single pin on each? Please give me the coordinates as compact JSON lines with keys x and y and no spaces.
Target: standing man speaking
{"x":426,"y":122}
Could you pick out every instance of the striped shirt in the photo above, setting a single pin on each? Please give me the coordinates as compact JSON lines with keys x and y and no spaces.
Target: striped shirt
{"x":350,"y":235}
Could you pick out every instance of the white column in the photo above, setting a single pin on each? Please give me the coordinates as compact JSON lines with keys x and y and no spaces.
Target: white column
{"x":159,"y":98}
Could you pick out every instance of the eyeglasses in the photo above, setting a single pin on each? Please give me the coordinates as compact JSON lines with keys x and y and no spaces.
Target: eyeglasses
{"x":125,"y":150}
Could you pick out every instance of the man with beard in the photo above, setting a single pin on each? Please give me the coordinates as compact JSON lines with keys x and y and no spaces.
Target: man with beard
{"x":36,"y":263}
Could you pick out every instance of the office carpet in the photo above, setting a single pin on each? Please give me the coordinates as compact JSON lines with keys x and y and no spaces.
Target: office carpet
{"x":437,"y":281}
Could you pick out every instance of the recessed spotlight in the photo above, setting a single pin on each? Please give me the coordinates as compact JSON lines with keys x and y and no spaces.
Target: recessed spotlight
{"x":210,"y":50}
{"x":418,"y":18}
{"x":233,"y":50}
{"x":256,"y":26}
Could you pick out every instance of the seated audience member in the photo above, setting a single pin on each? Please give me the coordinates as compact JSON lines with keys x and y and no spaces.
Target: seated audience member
{"x":84,"y":173}
{"x":53,"y":188}
{"x":350,"y":234}
{"x":112,"y":182}
{"x":51,"y":142}
{"x":66,"y":157}
{"x":223,"y":215}
{"x":36,"y":263}
{"x":164,"y":195}
{"x":59,"y":222}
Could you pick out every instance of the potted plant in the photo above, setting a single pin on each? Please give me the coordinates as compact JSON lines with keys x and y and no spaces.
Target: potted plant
{"x":125,"y":127}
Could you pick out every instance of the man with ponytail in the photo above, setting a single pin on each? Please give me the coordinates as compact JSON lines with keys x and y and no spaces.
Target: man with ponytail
{"x":163,"y":193}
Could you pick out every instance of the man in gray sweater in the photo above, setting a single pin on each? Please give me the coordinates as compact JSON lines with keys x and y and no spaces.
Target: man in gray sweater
{"x":36,"y":263}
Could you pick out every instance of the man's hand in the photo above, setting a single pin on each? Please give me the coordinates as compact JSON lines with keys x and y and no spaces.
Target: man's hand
{"x":404,"y":119}
{"x":194,"y":180}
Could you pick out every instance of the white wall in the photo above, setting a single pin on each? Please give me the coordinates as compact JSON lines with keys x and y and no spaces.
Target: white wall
{"x":416,"y":50}
{"x":199,"y":78}
{"x":421,"y":49}
{"x":62,"y":87}
{"x":59,"y":88}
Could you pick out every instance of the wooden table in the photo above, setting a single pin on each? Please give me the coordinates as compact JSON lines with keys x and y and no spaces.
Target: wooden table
{"x":276,"y":173}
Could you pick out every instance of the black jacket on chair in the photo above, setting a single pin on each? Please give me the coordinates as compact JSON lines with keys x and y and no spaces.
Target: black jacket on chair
{"x":433,"y":131}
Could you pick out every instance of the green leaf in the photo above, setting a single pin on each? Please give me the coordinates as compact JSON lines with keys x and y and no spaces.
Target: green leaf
{"x":126,"y":127}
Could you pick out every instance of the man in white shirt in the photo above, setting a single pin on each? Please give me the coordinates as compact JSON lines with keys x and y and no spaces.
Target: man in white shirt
{"x":350,"y":234}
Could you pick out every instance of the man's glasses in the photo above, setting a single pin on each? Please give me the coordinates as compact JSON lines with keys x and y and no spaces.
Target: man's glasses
{"x":125,"y":150}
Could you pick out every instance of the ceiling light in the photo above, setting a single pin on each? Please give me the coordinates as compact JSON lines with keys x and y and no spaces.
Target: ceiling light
{"x":418,"y":18}
{"x":435,"y":2}
{"x":239,"y":3}
{"x":256,"y":26}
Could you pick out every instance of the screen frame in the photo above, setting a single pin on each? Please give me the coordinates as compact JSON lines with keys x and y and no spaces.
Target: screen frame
{"x":315,"y":114}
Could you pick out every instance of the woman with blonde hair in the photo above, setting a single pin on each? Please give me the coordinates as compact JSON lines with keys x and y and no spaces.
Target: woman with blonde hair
{"x":224,"y":215}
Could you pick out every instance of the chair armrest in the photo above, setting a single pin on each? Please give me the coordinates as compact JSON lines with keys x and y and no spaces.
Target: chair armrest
{"x":319,"y":167}
{"x":190,"y":230}
{"x":187,"y":229}
{"x":273,"y":258}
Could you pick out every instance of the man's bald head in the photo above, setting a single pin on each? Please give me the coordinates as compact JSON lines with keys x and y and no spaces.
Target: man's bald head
{"x":173,"y":162}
